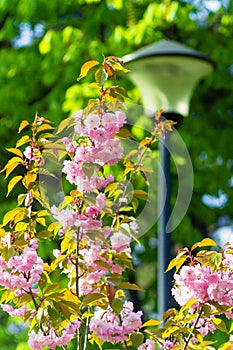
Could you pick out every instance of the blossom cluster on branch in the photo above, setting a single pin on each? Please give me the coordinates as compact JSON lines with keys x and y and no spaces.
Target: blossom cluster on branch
{"x":79,"y":295}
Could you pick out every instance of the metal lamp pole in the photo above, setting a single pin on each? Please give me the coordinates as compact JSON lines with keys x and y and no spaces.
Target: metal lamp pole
{"x":166,"y":74}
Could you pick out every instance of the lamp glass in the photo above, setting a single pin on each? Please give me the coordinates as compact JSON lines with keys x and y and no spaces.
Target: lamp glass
{"x":167,"y":82}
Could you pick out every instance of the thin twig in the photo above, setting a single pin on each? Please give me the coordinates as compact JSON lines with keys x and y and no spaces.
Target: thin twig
{"x":194,"y":326}
{"x":86,"y":334}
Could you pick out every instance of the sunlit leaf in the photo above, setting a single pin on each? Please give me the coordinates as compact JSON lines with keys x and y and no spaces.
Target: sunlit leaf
{"x":206,"y":242}
{"x":29,"y":180}
{"x":169,"y":331}
{"x":15,"y":151}
{"x":12,"y":183}
{"x":177,"y":262}
{"x":23,"y":125}
{"x":21,"y":226}
{"x":44,"y":127}
{"x":151,"y":323}
{"x":86,"y":68}
{"x":24,"y":139}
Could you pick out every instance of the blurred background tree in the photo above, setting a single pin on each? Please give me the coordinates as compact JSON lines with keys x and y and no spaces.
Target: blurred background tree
{"x":42,"y":47}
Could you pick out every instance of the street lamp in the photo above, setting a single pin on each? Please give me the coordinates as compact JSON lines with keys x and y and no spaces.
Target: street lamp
{"x":166,"y":74}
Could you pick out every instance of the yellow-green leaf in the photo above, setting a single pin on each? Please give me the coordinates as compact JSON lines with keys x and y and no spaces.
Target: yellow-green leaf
{"x":23,"y":125}
{"x":44,"y":127}
{"x":206,"y":242}
{"x":29,"y":179}
{"x":220,"y":324}
{"x":125,"y":133}
{"x":15,"y":151}
{"x":169,"y":331}
{"x":137,"y":338}
{"x":90,"y":298}
{"x":117,"y":305}
{"x":140,"y":194}
{"x":127,"y":285}
{"x":100,"y":76}
{"x":152,"y":323}
{"x":12,"y":183}
{"x":86,"y":67}
{"x":9,"y":216}
{"x":11,"y":164}
{"x":188,"y":304}
{"x":177,"y":263}
{"x":65,"y":123}
{"x":215,"y":260}
{"x":24,"y":139}
{"x":41,"y":221}
{"x":21,"y":226}
{"x":10,"y":168}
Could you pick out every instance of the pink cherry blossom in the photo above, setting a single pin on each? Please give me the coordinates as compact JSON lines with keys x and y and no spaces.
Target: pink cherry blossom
{"x":14,"y":311}
{"x":119,"y":241}
{"x":148,"y":345}
{"x":110,"y":327}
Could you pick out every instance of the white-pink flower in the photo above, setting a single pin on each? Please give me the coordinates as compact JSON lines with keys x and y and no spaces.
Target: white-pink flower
{"x":119,"y":241}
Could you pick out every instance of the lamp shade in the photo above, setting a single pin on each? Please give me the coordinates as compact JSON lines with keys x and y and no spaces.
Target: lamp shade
{"x":166,"y":74}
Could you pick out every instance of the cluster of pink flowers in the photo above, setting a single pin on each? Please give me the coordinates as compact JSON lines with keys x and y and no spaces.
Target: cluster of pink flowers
{"x":22,"y":271}
{"x":99,"y":148}
{"x":115,"y":328}
{"x":14,"y":312}
{"x":94,"y":263}
{"x":85,"y":222}
{"x":38,"y":341}
{"x":204,"y":284}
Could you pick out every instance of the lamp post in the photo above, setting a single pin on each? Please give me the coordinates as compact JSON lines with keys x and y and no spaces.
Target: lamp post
{"x":166,"y":74}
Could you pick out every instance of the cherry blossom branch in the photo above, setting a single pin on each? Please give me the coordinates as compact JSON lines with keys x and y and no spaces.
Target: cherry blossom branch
{"x":194,"y":327}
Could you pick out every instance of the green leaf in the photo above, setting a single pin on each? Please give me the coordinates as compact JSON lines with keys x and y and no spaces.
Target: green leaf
{"x":87,"y":68}
{"x":91,"y":298}
{"x":65,"y":123}
{"x":117,"y":305}
{"x":137,"y":338}
{"x":126,"y":134}
{"x":100,"y":76}
{"x":220,"y":324}
{"x":127,"y":285}
{"x":23,"y":346}
{"x":215,"y":260}
{"x":102,"y":263}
